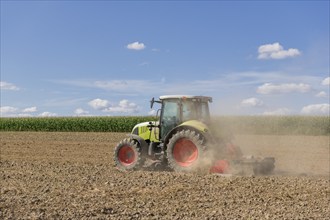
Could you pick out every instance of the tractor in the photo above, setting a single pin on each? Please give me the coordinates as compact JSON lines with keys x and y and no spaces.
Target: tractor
{"x":183,"y":140}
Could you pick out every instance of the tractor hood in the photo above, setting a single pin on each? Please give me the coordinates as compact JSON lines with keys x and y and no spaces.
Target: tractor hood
{"x":143,"y":131}
{"x":144,"y":124}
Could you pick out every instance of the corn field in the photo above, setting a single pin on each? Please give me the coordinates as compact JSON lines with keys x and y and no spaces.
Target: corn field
{"x":276,"y":125}
{"x":72,"y":124}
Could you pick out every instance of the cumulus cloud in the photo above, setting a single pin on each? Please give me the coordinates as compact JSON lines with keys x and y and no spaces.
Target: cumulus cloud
{"x":321,"y":94}
{"x":269,"y":88}
{"x":30,"y":110}
{"x":326,"y":81}
{"x":99,"y":104}
{"x":252,"y":102}
{"x":280,"y":111}
{"x":276,"y":51}
{"x":80,"y":112}
{"x":47,"y":114}
{"x":8,"y":86}
{"x":136,"y":46}
{"x":316,"y":109}
{"x":124,"y":106}
{"x":8,"y":110}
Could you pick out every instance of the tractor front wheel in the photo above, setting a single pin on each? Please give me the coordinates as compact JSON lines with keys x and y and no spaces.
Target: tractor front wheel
{"x":128,"y":156}
{"x":184,"y":151}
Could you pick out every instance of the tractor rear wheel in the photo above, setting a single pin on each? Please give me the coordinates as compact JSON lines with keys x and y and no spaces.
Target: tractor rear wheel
{"x":128,"y":155}
{"x":184,"y":151}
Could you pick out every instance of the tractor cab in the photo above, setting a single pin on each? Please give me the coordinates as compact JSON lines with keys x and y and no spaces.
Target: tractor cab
{"x":177,"y":109}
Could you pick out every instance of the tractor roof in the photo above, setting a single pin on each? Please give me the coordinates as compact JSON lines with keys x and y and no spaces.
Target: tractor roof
{"x":203,"y":98}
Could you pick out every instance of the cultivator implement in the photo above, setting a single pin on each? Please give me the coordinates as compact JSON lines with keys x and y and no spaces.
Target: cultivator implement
{"x":246,"y":166}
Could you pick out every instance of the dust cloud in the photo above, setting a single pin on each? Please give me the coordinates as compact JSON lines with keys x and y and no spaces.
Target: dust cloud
{"x":295,"y":155}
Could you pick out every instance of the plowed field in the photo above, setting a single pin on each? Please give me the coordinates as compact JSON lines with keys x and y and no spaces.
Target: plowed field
{"x":71,"y":176}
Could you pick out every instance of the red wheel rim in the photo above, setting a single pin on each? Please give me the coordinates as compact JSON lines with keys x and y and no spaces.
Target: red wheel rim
{"x":185,"y":152}
{"x":126,"y":155}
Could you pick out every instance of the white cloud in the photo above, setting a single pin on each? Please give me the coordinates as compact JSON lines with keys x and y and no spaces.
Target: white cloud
{"x":280,"y":111}
{"x":317,"y":109}
{"x":234,"y":79}
{"x":252,"y":102}
{"x":10,"y":111}
{"x":152,"y":112}
{"x":269,"y":88}
{"x":136,"y":46}
{"x":7,"y":110}
{"x":124,"y":106}
{"x":47,"y":114}
{"x":98,"y":104}
{"x":80,"y":111}
{"x":135,"y":87}
{"x":8,"y":86}
{"x":276,"y":51}
{"x":255,"y":77}
{"x":326,"y":81}
{"x":126,"y":85}
{"x":321,"y":94}
{"x":30,"y":110}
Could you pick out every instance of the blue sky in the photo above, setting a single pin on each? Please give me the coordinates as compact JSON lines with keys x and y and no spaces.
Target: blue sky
{"x":75,"y":58}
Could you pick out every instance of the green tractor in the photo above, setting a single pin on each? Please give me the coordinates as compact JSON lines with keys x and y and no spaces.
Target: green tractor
{"x":181,"y":140}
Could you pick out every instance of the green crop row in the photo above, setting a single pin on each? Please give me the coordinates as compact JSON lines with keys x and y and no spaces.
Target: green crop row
{"x":72,"y":124}
{"x":276,"y":125}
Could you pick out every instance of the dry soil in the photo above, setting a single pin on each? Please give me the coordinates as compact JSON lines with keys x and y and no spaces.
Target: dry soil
{"x":72,"y":176}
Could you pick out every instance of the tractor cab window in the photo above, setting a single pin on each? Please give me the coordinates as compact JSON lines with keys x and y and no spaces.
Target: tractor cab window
{"x":205,"y":112}
{"x":189,"y":110}
{"x":195,"y":110}
{"x":170,"y":116}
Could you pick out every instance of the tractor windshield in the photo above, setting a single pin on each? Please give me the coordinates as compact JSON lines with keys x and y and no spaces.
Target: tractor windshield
{"x":170,"y":116}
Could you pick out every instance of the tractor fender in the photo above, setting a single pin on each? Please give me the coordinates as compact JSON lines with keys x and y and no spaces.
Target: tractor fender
{"x":197,"y":125}
{"x":184,"y":127}
{"x":142,"y":142}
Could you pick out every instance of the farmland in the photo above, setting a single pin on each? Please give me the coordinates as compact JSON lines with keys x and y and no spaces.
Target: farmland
{"x":63,"y":175}
{"x":267,"y":125}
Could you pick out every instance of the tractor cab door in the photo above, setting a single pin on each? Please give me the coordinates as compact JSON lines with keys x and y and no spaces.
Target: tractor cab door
{"x":170,"y":116}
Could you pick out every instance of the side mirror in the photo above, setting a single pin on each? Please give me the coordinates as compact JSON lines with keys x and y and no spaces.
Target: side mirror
{"x":152,"y":101}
